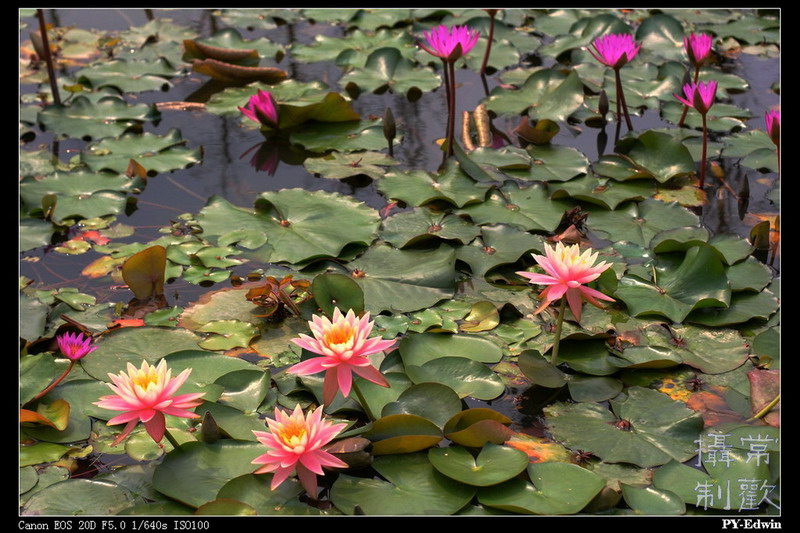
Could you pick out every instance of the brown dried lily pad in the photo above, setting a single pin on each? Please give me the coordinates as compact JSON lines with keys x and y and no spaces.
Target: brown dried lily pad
{"x":229,"y":73}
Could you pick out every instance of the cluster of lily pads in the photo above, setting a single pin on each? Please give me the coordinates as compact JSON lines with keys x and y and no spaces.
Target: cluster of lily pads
{"x":658,"y":401}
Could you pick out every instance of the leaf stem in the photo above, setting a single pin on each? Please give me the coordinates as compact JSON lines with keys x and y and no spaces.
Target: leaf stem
{"x":559,"y":323}
{"x":621,"y":100}
{"x":56,"y":382}
{"x":766,"y":409}
{"x":705,"y":151}
{"x":48,"y":57}
{"x":171,"y":439}
{"x":363,"y":401}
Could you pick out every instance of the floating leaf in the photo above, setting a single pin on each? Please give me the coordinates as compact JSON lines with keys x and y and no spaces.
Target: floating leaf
{"x":386,"y":68}
{"x":499,"y":244}
{"x":404,"y":280}
{"x":108,"y":117}
{"x":651,"y":501}
{"x":433,"y":401}
{"x":144,"y":272}
{"x":195,"y":475}
{"x":418,"y":188}
{"x":494,"y":464}
{"x":229,"y":73}
{"x":128,"y":76}
{"x":548,"y":93}
{"x":412,"y":487}
{"x":402,"y":433}
{"x":557,"y":489}
{"x":421,"y":224}
{"x":341,"y":166}
{"x":79,"y":497}
{"x":155,"y":153}
{"x":552,"y":163}
{"x":332,"y":290}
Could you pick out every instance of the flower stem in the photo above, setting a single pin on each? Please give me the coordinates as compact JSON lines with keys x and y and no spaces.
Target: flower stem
{"x":559,"y":322}
{"x":56,"y":382}
{"x":621,"y":100}
{"x":767,"y":408}
{"x":488,"y":44}
{"x":171,"y":439}
{"x":48,"y":57}
{"x":451,"y":133}
{"x":705,"y":151}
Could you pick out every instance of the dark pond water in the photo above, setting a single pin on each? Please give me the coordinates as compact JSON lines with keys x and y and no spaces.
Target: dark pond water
{"x":226,"y":169}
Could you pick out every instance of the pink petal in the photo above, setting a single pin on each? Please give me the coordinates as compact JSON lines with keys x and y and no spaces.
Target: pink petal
{"x":370,"y":373}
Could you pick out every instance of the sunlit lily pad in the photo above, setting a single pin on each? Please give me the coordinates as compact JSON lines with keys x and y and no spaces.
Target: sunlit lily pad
{"x":195,"y":474}
{"x":639,"y":222}
{"x":418,"y":187}
{"x":652,"y":501}
{"x":387,"y":69}
{"x":254,"y":491}
{"x":557,"y":489}
{"x":606,"y":192}
{"x":433,"y":401}
{"x":404,"y":280}
{"x":345,"y":165}
{"x":698,"y":282}
{"x":529,"y":208}
{"x":108,"y":117}
{"x":129,"y":75}
{"x":646,"y":428}
{"x":552,"y":163}
{"x":494,"y":464}
{"x":354,"y":49}
{"x":497,"y":245}
{"x":344,"y":136}
{"x":412,"y":487}
{"x":79,"y":497}
{"x":157,"y":154}
{"x":551,"y":93}
{"x":421,"y":224}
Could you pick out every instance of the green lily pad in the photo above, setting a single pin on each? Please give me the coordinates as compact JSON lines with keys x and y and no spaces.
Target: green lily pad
{"x":134,"y":345}
{"x":421,"y":224}
{"x":593,"y":388}
{"x":156,"y":153}
{"x":606,"y":192}
{"x":129,"y":76}
{"x":540,"y":371}
{"x":465,"y":376}
{"x":229,"y":418}
{"x":432,"y":401}
{"x":494,"y":464}
{"x":417,"y":187}
{"x":229,"y":46}
{"x":387,"y":68}
{"x":721,"y":117}
{"x":425,"y":347}
{"x":412,"y":487}
{"x":300,"y":225}
{"x":339,"y":166}
{"x":41,"y":452}
{"x":227,"y":334}
{"x":547,"y":93}
{"x":744,"y":306}
{"x":228,"y":101}
{"x":661,"y":34}
{"x":332,"y":290}
{"x":652,"y":501}
{"x":749,"y":275}
{"x":402,"y":433}
{"x":556,"y":489}
{"x":343,"y":136}
{"x":244,"y":389}
{"x":698,"y":282}
{"x":660,"y":429}
{"x":354,"y":49}
{"x":84,"y":119}
{"x":499,"y":244}
{"x":657,"y":155}
{"x":553,"y":163}
{"x":254,"y":491}
{"x":529,"y":208}
{"x":638,"y":222}
{"x":583,"y":32}
{"x":404,"y":280}
{"x":79,"y":194}
{"x":195,"y":474}
{"x":79,"y":497}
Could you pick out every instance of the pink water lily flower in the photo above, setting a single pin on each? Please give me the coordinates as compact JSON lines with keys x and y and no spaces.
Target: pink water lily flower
{"x":567,"y":271}
{"x":700,"y":95}
{"x":698,"y":48}
{"x":773,"y":120}
{"x":450,"y":43}
{"x":615,"y":50}
{"x":75,"y":346}
{"x":262,"y":108}
{"x":344,"y":345}
{"x":294,"y":444}
{"x":146,"y":394}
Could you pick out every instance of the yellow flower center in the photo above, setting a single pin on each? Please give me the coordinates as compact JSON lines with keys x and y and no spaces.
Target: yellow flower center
{"x":146,"y":379}
{"x":339,"y":334}
{"x":293,"y":435}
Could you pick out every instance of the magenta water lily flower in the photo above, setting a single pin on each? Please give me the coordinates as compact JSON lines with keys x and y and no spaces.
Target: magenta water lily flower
{"x":698,"y":48}
{"x":450,"y":43}
{"x":295,"y":444}
{"x":567,"y":270}
{"x":772,"y":118}
{"x":344,"y":345}
{"x":262,"y":108}
{"x":145,"y":395}
{"x":699,"y":95}
{"x":75,"y":346}
{"x":615,"y":50}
